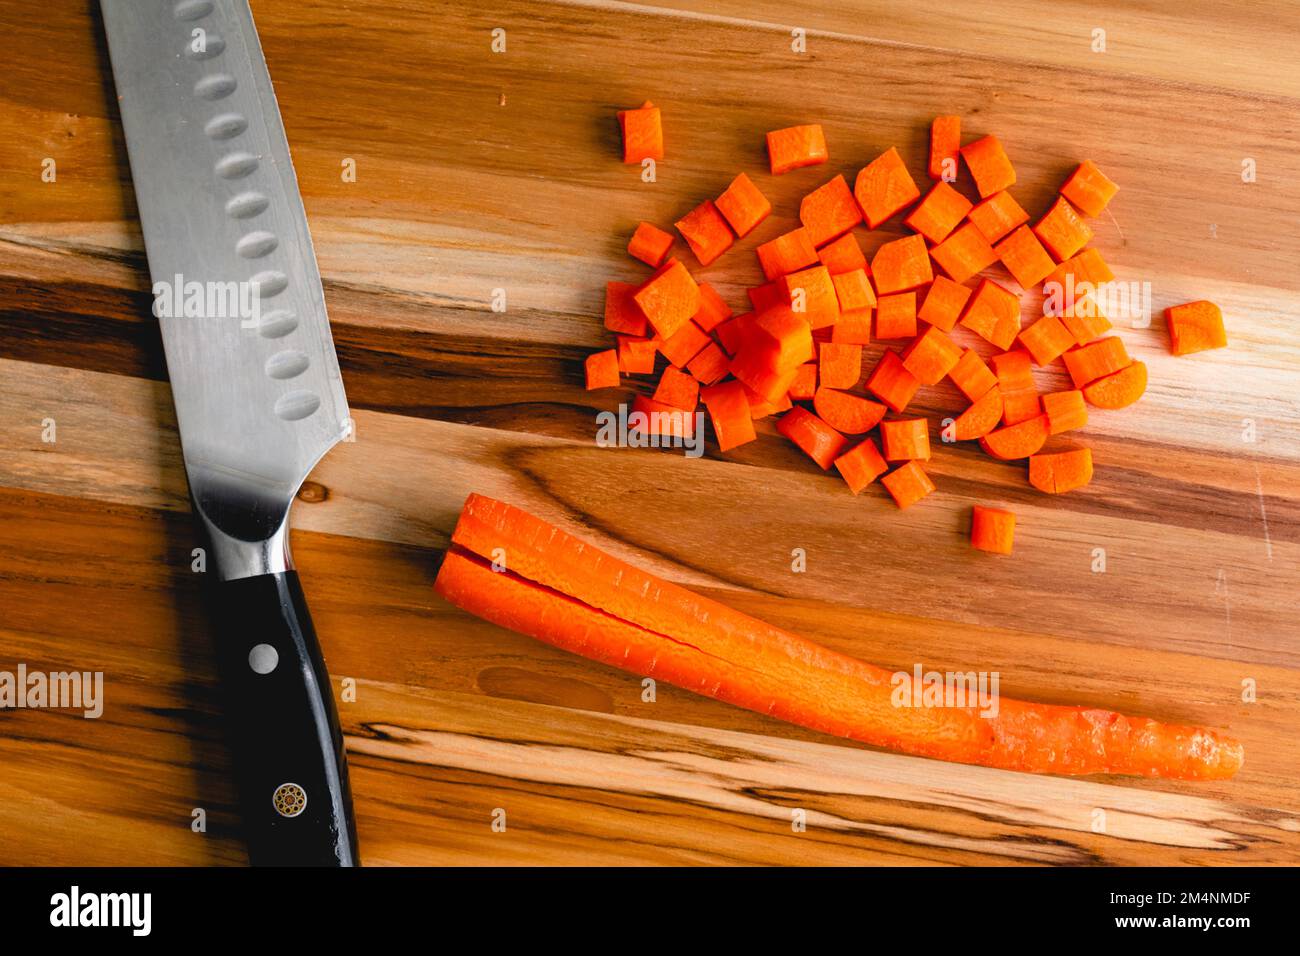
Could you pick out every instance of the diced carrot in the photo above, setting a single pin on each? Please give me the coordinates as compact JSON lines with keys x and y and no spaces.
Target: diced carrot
{"x":710,"y":365}
{"x":996,"y":216}
{"x":818,"y":440}
{"x":783,"y":336}
{"x":684,"y":344}
{"x":1087,"y":363}
{"x":1084,"y":319}
{"x":993,"y":313}
{"x":768,"y":295}
{"x":938,"y":213}
{"x":643,"y":134}
{"x":972,"y":376}
{"x":840,"y":365}
{"x":845,"y":412}
{"x":861,"y":465}
{"x":804,"y":386}
{"x":854,"y":291}
{"x":931,"y":356}
{"x":1016,"y":441}
{"x":1080,"y":275}
{"x":795,"y":147}
{"x":636,"y":355}
{"x":1118,"y":389}
{"x":677,"y":389}
{"x":1025,"y":257}
{"x":988,"y":163}
{"x":743,"y":205}
{"x":660,"y":419}
{"x":891,"y":382}
{"x":992,"y":529}
{"x":760,"y":407}
{"x":905,"y":438}
{"x":760,"y":377}
{"x":729,"y":411}
{"x":829,"y":211}
{"x":602,"y":369}
{"x":1014,"y":369}
{"x":1195,"y":327}
{"x":1089,"y":189}
{"x":883,"y":187}
{"x":622,"y":314}
{"x":1020,"y":405}
{"x":713,"y":311}
{"x":650,"y":244}
{"x":1046,"y":340}
{"x":945,"y":143}
{"x":896,"y":316}
{"x":811,"y":292}
{"x":901,"y":265}
{"x":706,"y":232}
{"x":964,"y":253}
{"x":1065,"y":411}
{"x":980,"y":418}
{"x":668,"y":298}
{"x":944,"y":302}
{"x":907,"y":484}
{"x":1062,"y":230}
{"x":788,"y":252}
{"x":733,"y":332}
{"x":1062,"y":471}
{"x":843,"y":255}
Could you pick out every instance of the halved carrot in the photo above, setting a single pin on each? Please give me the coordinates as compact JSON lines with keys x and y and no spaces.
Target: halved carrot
{"x":1062,"y":230}
{"x":839,"y":364}
{"x":678,"y":389}
{"x":972,"y":376}
{"x":650,"y":244}
{"x":939,"y":212}
{"x":1065,"y":411}
{"x":861,"y":465}
{"x":713,"y":310}
{"x":669,"y":298}
{"x":1118,"y":389}
{"x":682,"y":346}
{"x":795,"y":147}
{"x":636,"y":355}
{"x":818,"y":440}
{"x":891,"y":382}
{"x":944,"y":302}
{"x":1195,"y":327}
{"x":993,"y":314}
{"x":945,"y":145}
{"x":730,"y":413}
{"x":1087,"y":363}
{"x":706,"y":232}
{"x":622,"y":314}
{"x":901,"y":265}
{"x":883,"y":187}
{"x":812,"y":293}
{"x":988,"y":163}
{"x":896,"y":316}
{"x":709,"y":365}
{"x":829,"y":211}
{"x":847,"y":413}
{"x":907,"y":484}
{"x":905,"y":438}
{"x":643,"y":133}
{"x":743,"y":205}
{"x":1062,"y":471}
{"x":656,"y":418}
{"x":931,"y":356}
{"x":1016,"y":441}
{"x":996,"y":216}
{"x":992,"y":529}
{"x":1046,"y":340}
{"x":965,"y":253}
{"x":1025,"y":257}
{"x":602,"y":369}
{"x":980,"y":418}
{"x":1089,"y":189}
{"x":788,"y":252}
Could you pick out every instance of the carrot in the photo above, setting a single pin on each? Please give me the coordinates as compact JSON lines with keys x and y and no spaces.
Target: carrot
{"x":853,"y":328}
{"x":818,"y":440}
{"x":768,"y":295}
{"x":1014,"y":369}
{"x":1025,"y":257}
{"x":732,"y":333}
{"x":668,"y":298}
{"x":993,"y":314}
{"x":996,"y":216}
{"x":883,"y":187}
{"x":1020,"y":405}
{"x":1118,"y":389}
{"x":756,"y":370}
{"x":1061,"y":471}
{"x":713,"y":311}
{"x":710,"y":365}
{"x":1195,"y":327}
{"x":643,"y":134}
{"x":907,"y":484}
{"x":861,"y":465}
{"x":650,"y":244}
{"x":972,"y":376}
{"x":944,"y":302}
{"x":729,"y":411}
{"x":783,"y":336}
{"x":1046,"y":340}
{"x":938,"y":213}
{"x":760,"y":407}
{"x":602,"y":369}
{"x":804,"y":386}
{"x":845,"y":412}
{"x":661,"y":419}
{"x":896,"y":316}
{"x":901,"y":265}
{"x":905,"y":438}
{"x":683,"y":345}
{"x":743,"y":205}
{"x":891,"y":382}
{"x":570,"y":594}
{"x":945,"y":143}
{"x":931,"y":356}
{"x":1084,"y":319}
{"x":636,"y":355}
{"x":988,"y":163}
{"x":843,"y":255}
{"x":795,"y":147}
{"x":1016,"y":441}
{"x":854,"y":292}
{"x":1089,"y":189}
{"x":839,"y":364}
{"x":787,"y":253}
{"x":992,"y":529}
{"x":965,"y":253}
{"x":980,"y":418}
{"x":706,"y":232}
{"x":812,"y":294}
{"x":1062,"y":230}
{"x":1087,"y":363}
{"x":1084,"y":272}
{"x":677,"y":389}
{"x":622,"y":314}
{"x":1065,"y":411}
{"x":829,"y":211}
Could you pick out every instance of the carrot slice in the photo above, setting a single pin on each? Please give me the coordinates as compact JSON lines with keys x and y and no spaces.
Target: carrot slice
{"x":1065,"y":411}
{"x":996,"y":216}
{"x":988,"y":163}
{"x":931,"y":356}
{"x":1089,"y":189}
{"x":1063,"y":230}
{"x":907,"y":484}
{"x":843,"y":255}
{"x":636,"y":355}
{"x":622,"y":314}
{"x":706,"y":232}
{"x":883,"y":187}
{"x":896,"y":316}
{"x":1061,"y":471}
{"x":965,"y":253}
{"x":945,"y":143}
{"x":1047,"y":339}
{"x":713,"y":310}
{"x":678,"y":389}
{"x":1195,"y":327}
{"x":980,"y":418}
{"x":1016,"y":441}
{"x":682,"y":346}
{"x":840,"y":365}
{"x":812,"y":293}
{"x":1025,"y":257}
{"x":669,"y":298}
{"x":643,"y":134}
{"x":972,"y":376}
{"x":944,"y":302}
{"x":650,"y":244}
{"x":818,"y":440}
{"x":660,"y":419}
{"x":861,"y":465}
{"x":905,"y":438}
{"x":710,"y":365}
{"x":891,"y":382}
{"x":602,"y":369}
{"x":1087,"y":363}
{"x":730,"y":413}
{"x":787,"y":253}
{"x":1118,"y":389}
{"x":939,"y":212}
{"x":795,"y":147}
{"x":992,"y":529}
{"x":829,"y":211}
{"x":743,"y":205}
{"x":847,"y":413}
{"x":993,"y":314}
{"x":901,"y":265}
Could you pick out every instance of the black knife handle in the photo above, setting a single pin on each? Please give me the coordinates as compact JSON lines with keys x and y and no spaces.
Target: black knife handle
{"x":290,"y":769}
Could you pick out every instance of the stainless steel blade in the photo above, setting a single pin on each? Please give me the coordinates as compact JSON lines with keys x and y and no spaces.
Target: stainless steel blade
{"x":258,"y":403}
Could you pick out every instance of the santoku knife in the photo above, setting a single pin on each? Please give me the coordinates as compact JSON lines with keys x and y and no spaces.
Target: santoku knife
{"x":258,"y":394}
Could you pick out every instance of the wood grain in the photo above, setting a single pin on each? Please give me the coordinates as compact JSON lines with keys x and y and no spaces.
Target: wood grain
{"x":458,"y":195}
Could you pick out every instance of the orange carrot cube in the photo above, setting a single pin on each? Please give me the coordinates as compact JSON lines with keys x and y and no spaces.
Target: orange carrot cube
{"x":636,"y":355}
{"x":668,"y":298}
{"x":818,"y":440}
{"x":883,"y":187}
{"x":1047,"y":339}
{"x":993,"y":314}
{"x":891,"y":382}
{"x":861,"y":465}
{"x":992,"y":529}
{"x":1089,"y":189}
{"x":678,"y":389}
{"x":840,"y":365}
{"x":931,"y":356}
{"x":684,"y":344}
{"x":896,"y":316}
{"x":905,"y":439}
{"x":996,"y":216}
{"x":908,"y":484}
{"x":713,"y":310}
{"x":650,"y":244}
{"x":743,"y":205}
{"x":804,"y":386}
{"x":938,"y":213}
{"x":988,"y":163}
{"x":729,"y":410}
{"x":944,"y":302}
{"x":843,"y":255}
{"x":1063,"y":230}
{"x":1087,"y":363}
{"x":964,"y":253}
{"x":829,"y":211}
{"x":972,"y":376}
{"x":706,"y":232}
{"x":1065,"y":411}
{"x":1195,"y":327}
{"x":945,"y":144}
{"x":643,"y":134}
{"x":622,"y":314}
{"x":602,"y":369}
{"x":787,"y":253}
{"x":709,"y":365}
{"x":1025,"y":257}
{"x":812,"y":293}
{"x":901,"y":265}
{"x":795,"y":147}
{"x":854,"y":291}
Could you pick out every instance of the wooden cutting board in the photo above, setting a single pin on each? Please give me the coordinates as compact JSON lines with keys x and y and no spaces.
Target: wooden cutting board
{"x":478,"y":171}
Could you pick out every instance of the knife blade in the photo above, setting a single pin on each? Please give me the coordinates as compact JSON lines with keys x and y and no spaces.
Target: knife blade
{"x":255,"y":382}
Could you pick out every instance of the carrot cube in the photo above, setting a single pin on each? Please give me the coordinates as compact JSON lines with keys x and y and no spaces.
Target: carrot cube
{"x":754,"y":367}
{"x":964,"y":253}
{"x":706,"y":232}
{"x":896,"y":316}
{"x":1025,"y":257}
{"x":853,"y":328}
{"x":829,"y":211}
{"x":901,"y":265}
{"x":602,"y":369}
{"x":840,"y":364}
{"x":972,"y":376}
{"x":768,"y":295}
{"x":1065,"y":411}
{"x":650,"y":244}
{"x":818,"y":440}
{"x":907,"y":484}
{"x":743,"y":205}
{"x":891,"y":382}
{"x":1087,"y":363}
{"x":1195,"y":327}
{"x":677,"y":389}
{"x":795,"y":147}
{"x":945,"y":143}
{"x":713,"y":311}
{"x":1089,"y":189}
{"x":760,"y":407}
{"x":1046,"y":339}
{"x":636,"y":355}
{"x":993,"y":314}
{"x":1020,"y":405}
{"x":861,"y":465}
{"x":643,"y":134}
{"x":854,"y":292}
{"x":843,"y":255}
{"x":905,"y":439}
{"x":1084,"y":319}
{"x":996,"y":216}
{"x":622,"y":314}
{"x":992,"y":529}
{"x":1080,"y":275}
{"x":1063,"y":230}
{"x":710,"y":365}
{"x":804,"y":386}
{"x":787,"y":253}
{"x":938,"y":213}
{"x":784,"y":335}
{"x":931,"y":356}
{"x":733,"y":332}
{"x":668,"y":298}
{"x":812,"y":293}
{"x":1014,"y":369}
{"x":944,"y":302}
{"x":729,"y":410}
{"x":883,"y":187}
{"x":684,"y":344}
{"x":660,"y":419}
{"x":989,"y":165}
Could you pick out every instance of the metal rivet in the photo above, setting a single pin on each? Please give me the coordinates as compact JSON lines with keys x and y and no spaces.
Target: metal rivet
{"x":263,"y":658}
{"x":289,"y":799}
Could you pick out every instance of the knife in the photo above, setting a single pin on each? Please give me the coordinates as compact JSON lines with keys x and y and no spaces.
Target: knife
{"x":256,"y":386}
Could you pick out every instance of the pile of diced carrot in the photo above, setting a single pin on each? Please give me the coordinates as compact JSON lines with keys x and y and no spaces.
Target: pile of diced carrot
{"x":798,"y":351}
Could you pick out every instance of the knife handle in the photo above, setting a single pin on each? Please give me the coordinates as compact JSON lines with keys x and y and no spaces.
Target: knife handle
{"x":290,"y":768}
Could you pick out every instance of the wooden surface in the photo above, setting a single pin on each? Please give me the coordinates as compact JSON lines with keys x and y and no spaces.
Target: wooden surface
{"x":479,"y":171}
